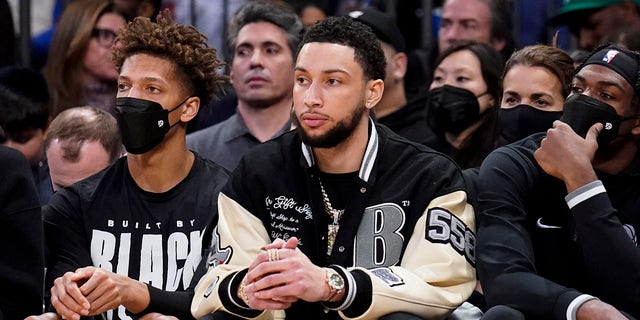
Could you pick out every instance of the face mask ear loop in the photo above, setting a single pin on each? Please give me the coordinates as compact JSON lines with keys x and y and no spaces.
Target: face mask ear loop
{"x":179,"y":104}
{"x":176,"y":107}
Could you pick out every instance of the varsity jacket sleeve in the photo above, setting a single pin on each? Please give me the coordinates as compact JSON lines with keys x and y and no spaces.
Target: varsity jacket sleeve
{"x":614,"y":259}
{"x":436,"y":274}
{"x":506,"y":261}
{"x":217,"y":290}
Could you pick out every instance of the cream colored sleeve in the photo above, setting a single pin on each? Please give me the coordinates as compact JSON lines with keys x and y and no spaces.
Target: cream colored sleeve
{"x":237,"y":241}
{"x":433,"y":278}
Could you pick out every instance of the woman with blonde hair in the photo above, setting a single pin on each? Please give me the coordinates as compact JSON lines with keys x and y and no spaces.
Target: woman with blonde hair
{"x":79,"y":69}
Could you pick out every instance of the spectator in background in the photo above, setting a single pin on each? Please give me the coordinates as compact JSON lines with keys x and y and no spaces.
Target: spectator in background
{"x":407,"y":120}
{"x":310,"y":12}
{"x":21,"y":239}
{"x":79,"y":69}
{"x":628,"y":38}
{"x":593,"y":21}
{"x":138,"y":8}
{"x":264,"y":37}
{"x":26,"y":82}
{"x":463,"y":102}
{"x":80,"y":142}
{"x":211,"y":17}
{"x":41,"y":43}
{"x":393,"y":46}
{"x":24,"y":124}
{"x":535,"y":83}
{"x":485,"y":21}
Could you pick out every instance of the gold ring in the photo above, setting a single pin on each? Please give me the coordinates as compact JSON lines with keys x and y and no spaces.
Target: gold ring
{"x":274,"y":255}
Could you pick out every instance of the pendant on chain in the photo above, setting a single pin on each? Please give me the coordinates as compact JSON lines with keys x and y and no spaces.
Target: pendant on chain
{"x":333,"y":229}
{"x":335,"y":214}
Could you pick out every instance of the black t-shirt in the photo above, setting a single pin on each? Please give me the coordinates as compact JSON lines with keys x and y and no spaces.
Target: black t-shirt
{"x":107,"y":221}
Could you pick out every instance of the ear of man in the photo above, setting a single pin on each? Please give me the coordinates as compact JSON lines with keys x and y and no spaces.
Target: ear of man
{"x":191,"y":108}
{"x":375,"y":88}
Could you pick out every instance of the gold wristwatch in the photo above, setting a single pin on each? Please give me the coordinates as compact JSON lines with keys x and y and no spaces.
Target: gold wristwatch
{"x":336,"y":284}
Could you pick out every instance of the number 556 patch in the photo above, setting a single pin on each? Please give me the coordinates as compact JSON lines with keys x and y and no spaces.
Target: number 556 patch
{"x":445,"y":227}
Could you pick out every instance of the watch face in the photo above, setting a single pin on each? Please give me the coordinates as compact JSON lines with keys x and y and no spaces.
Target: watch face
{"x":336,"y":281}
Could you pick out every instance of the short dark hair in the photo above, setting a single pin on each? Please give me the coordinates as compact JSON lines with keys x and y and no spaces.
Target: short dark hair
{"x":349,"y":32}
{"x":197,"y":63}
{"x":75,"y":126}
{"x":18,"y":114}
{"x":275,"y":13}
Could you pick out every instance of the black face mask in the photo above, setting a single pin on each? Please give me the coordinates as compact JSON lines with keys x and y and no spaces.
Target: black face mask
{"x":452,"y":109}
{"x":524,"y":120}
{"x":142,"y":123}
{"x":581,"y":112}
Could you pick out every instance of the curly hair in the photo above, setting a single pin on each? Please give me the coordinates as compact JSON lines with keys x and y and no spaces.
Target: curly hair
{"x":553,"y":59}
{"x":349,"y":32}
{"x":196,"y":62}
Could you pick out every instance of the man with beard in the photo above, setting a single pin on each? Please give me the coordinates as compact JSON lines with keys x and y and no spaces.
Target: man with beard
{"x":340,"y":217}
{"x":559,"y":211}
{"x":263,"y":38}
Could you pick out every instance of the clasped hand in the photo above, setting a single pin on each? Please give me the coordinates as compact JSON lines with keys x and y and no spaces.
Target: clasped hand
{"x":276,"y":279}
{"x":87,"y":291}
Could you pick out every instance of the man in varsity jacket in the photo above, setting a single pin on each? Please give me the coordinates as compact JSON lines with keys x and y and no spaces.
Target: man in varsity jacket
{"x":340,"y":218}
{"x":128,"y":240}
{"x":559,"y":211}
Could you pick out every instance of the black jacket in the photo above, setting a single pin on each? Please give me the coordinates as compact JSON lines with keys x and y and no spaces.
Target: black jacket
{"x":405,"y":241}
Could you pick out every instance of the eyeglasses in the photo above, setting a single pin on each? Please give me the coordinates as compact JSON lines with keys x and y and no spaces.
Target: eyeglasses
{"x":105,"y":37}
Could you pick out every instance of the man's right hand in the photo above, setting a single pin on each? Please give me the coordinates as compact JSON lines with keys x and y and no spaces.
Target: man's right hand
{"x":66,"y":297}
{"x":567,"y":156}
{"x":596,"y":309}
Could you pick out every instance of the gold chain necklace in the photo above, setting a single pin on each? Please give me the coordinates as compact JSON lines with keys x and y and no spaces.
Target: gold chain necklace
{"x":335,"y":215}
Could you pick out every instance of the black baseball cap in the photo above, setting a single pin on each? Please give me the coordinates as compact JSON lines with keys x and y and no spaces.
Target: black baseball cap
{"x":383,"y":25}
